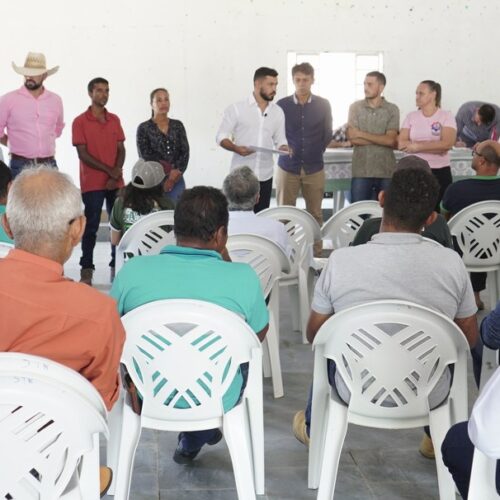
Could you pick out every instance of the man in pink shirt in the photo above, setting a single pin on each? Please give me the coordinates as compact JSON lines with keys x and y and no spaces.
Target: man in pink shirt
{"x":31,"y":117}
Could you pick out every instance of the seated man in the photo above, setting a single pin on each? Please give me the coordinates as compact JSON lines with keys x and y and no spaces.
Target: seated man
{"x":437,"y":231}
{"x":484,"y":186}
{"x":5,"y":182}
{"x":241,"y":188}
{"x":42,"y":312}
{"x":396,"y":264}
{"x":481,"y":431}
{"x":195,"y":269}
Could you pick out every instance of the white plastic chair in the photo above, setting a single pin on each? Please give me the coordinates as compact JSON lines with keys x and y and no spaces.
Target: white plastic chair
{"x":390,"y":355}
{"x":146,"y":237}
{"x":303,"y":231}
{"x":5,"y":248}
{"x":191,"y":350}
{"x":476,"y":229}
{"x":341,"y":227}
{"x":49,"y":431}
{"x":269,"y":261}
{"x":482,"y":479}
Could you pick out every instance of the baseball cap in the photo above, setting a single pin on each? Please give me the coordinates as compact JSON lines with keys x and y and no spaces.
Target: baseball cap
{"x":147,"y":174}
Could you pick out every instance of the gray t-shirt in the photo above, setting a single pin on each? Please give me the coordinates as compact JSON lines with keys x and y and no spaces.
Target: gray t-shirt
{"x":400,"y":266}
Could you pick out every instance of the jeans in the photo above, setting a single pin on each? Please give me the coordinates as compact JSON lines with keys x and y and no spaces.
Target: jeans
{"x":367,"y":188}
{"x":93,"y":201}
{"x":177,"y":191}
{"x":17,"y":165}
{"x":458,"y":451}
{"x":193,"y":441}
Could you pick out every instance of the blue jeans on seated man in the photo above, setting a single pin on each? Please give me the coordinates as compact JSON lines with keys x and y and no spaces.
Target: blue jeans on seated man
{"x":17,"y":165}
{"x":93,"y":201}
{"x":192,"y":441}
{"x":458,"y":451}
{"x":367,"y":188}
{"x":436,"y":396}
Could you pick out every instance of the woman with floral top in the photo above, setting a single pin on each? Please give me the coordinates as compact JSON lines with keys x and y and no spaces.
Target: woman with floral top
{"x":164,"y":140}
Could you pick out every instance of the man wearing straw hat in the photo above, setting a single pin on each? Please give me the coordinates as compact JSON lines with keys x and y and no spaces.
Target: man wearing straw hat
{"x":31,"y":117}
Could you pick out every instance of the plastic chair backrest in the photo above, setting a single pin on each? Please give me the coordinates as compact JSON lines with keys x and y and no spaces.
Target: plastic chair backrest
{"x":390,"y":354}
{"x":146,"y":237}
{"x":265,"y":257}
{"x":14,"y":363}
{"x":341,"y":227}
{"x":302,"y":229}
{"x":44,"y":431}
{"x":5,"y":248}
{"x":476,"y":230}
{"x":185,"y":353}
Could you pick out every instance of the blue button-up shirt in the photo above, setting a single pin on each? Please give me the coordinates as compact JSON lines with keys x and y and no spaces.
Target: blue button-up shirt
{"x":308,"y":131}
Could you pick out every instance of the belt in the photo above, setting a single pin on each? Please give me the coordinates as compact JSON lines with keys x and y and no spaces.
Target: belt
{"x":36,"y":160}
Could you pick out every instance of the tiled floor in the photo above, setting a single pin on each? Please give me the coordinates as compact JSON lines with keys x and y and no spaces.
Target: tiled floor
{"x":375,"y":464}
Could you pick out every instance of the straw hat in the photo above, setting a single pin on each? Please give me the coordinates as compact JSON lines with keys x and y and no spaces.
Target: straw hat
{"x":34,"y":65}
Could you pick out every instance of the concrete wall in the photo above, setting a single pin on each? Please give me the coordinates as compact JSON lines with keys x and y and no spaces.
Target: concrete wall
{"x":205,"y":53}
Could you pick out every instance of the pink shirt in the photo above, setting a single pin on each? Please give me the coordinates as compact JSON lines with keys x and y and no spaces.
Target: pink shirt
{"x":428,"y":128}
{"x":32,"y":124}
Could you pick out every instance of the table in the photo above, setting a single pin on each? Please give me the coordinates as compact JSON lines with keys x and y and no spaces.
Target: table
{"x":338,"y":170}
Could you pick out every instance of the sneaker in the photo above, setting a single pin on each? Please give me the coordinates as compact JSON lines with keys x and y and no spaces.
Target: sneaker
{"x":183,"y":457}
{"x":86,"y":276}
{"x":299,"y":428}
{"x":105,"y":479}
{"x":427,"y":448}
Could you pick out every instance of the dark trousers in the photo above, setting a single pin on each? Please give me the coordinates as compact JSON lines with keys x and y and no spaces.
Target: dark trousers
{"x":266,"y":188}
{"x":458,"y":451}
{"x":367,"y":188}
{"x":194,"y":440}
{"x":93,"y":201}
{"x":17,"y":165}
{"x":478,"y":281}
{"x":443,"y":176}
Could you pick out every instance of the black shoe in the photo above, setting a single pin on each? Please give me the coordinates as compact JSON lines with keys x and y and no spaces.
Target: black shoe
{"x":183,"y":457}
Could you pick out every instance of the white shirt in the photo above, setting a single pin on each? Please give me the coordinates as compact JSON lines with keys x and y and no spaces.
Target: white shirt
{"x":483,"y":423}
{"x":245,"y":124}
{"x":246,"y":222}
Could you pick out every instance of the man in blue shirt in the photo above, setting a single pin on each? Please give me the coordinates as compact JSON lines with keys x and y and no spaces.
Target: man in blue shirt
{"x":197,"y":268}
{"x":308,"y":126}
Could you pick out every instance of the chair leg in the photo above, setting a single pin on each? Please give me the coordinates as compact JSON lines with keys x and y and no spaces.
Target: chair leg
{"x":89,"y":472}
{"x":440,"y":422}
{"x":266,"y":361}
{"x":236,"y":433}
{"x":492,"y":285}
{"x":336,"y":429}
{"x":293,"y":291}
{"x":115,"y":422}
{"x":129,"y":436}
{"x":303,"y":303}
{"x":489,"y":365}
{"x":272,"y":342}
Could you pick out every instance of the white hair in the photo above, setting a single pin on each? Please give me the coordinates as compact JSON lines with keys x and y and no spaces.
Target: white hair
{"x":41,"y":204}
{"x":241,"y":188}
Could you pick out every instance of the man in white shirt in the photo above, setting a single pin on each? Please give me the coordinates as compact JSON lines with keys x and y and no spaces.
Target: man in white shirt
{"x":241,"y":188}
{"x":257,"y":122}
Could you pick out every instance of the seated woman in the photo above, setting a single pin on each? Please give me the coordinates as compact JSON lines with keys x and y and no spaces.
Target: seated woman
{"x":142,"y":196}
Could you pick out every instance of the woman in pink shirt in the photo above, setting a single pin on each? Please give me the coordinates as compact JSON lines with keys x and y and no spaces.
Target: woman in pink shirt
{"x":430,"y":133}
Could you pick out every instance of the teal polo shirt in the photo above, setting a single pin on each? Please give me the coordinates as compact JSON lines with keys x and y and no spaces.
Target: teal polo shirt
{"x":3,"y":235}
{"x":191,"y":273}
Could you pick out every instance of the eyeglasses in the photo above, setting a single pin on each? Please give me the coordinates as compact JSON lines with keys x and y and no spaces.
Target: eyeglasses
{"x":475,"y":153}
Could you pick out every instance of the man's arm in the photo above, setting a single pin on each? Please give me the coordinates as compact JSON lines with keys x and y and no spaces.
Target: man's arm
{"x":262,"y":333}
{"x":60,"y":119}
{"x":120,"y":155}
{"x":315,"y":322}
{"x":469,"y":328}
{"x":328,"y":129}
{"x":360,"y":138}
{"x":92,"y":162}
{"x":231,"y":146}
{"x":225,"y":133}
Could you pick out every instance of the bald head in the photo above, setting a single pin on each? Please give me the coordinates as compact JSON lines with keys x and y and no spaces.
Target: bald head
{"x":42,"y":204}
{"x":486,"y":159}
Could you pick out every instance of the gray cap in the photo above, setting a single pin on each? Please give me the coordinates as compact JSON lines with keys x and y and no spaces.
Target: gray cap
{"x":147,"y":174}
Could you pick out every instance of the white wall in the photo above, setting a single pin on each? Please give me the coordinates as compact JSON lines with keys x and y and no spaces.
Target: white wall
{"x":205,"y":53}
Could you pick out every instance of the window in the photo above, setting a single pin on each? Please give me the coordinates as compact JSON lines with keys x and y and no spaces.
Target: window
{"x":339,"y":77}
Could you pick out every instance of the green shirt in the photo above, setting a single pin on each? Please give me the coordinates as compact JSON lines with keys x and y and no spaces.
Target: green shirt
{"x":373,"y":160}
{"x":190,"y":273}
{"x":3,"y":235}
